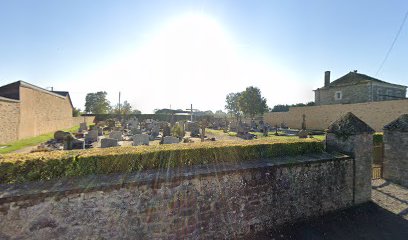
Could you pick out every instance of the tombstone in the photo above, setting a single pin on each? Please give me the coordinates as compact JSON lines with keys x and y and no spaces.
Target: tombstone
{"x":166,"y":131}
{"x":351,"y":136}
{"x":140,"y":139}
{"x":92,"y":136}
{"x":70,"y":142}
{"x":194,"y":129}
{"x":396,"y":151}
{"x":109,"y":142}
{"x":133,"y":123}
{"x":155,"y":131}
{"x":135,"y":131}
{"x":116,"y":135}
{"x":302,"y":134}
{"x":304,"y":122}
{"x":59,"y":136}
{"x":83,"y":127}
{"x":100,"y":131}
{"x":170,"y":140}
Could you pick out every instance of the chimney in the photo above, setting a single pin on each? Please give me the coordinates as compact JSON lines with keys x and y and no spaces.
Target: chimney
{"x":326,"y":78}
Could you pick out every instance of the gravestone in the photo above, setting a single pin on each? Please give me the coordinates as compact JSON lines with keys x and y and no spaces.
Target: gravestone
{"x":170,"y":140}
{"x":166,"y":131}
{"x":92,"y":136}
{"x":302,"y":134}
{"x":83,"y":127}
{"x":140,"y":139}
{"x":109,"y":142}
{"x":100,"y":131}
{"x":70,"y":142}
{"x":60,"y":135}
{"x":116,"y":135}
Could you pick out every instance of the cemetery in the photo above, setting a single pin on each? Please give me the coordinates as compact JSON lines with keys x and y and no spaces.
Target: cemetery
{"x":257,"y":184}
{"x":114,"y":132}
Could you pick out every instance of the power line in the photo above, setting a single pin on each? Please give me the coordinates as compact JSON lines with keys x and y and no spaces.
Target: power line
{"x":393,"y":43}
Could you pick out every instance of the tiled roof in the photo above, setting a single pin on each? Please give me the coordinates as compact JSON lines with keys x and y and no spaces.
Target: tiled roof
{"x":352,"y":78}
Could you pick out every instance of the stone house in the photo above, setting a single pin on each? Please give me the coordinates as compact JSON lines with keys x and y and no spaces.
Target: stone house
{"x":27,"y":111}
{"x":357,"y":88}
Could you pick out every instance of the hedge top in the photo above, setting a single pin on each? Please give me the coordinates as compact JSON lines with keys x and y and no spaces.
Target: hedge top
{"x":16,"y":168}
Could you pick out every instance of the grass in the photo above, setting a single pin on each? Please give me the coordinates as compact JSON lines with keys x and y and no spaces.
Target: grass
{"x":271,"y":135}
{"x":19,"y":144}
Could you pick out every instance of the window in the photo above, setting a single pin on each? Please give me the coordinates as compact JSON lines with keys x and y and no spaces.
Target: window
{"x":338,"y":95}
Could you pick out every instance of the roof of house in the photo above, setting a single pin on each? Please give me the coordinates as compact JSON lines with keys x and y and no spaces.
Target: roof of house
{"x":353,"y":78}
{"x":20,"y":83}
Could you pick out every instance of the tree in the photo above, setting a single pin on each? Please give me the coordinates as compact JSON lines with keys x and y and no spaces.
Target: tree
{"x":136,"y":111}
{"x":97,"y":103}
{"x":125,"y":108}
{"x":76,"y":112}
{"x":232,"y":104}
{"x":251,"y":102}
{"x":220,"y":114}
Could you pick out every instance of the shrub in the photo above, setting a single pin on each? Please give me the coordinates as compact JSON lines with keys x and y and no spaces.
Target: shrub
{"x":18,"y":168}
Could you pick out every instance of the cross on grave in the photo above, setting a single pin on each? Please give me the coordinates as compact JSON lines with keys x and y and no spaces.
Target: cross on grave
{"x":191,"y":111}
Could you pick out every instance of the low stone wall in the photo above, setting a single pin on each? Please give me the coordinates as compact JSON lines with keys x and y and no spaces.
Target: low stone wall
{"x":9,"y":120}
{"x":212,"y":201}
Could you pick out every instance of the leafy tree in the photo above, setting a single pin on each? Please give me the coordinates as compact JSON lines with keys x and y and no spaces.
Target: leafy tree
{"x":76,"y":112}
{"x":97,"y":103}
{"x":136,"y":111}
{"x":280,"y":108}
{"x":251,"y":102}
{"x":232,"y":104}
{"x":285,"y":108}
{"x":220,"y":114}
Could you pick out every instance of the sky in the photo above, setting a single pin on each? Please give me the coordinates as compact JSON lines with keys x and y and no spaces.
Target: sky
{"x":162,"y":54}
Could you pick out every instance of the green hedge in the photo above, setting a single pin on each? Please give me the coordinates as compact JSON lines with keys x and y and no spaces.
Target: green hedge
{"x":18,"y":168}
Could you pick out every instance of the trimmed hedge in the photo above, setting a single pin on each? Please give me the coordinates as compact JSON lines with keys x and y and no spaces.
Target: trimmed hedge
{"x":18,"y":168}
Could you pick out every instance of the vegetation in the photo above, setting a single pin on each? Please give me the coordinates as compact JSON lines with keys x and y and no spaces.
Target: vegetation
{"x":18,"y":168}
{"x":252,"y":103}
{"x":76,"y":112}
{"x":123,"y":109}
{"x":249,"y":102}
{"x":285,"y":107}
{"x":232,"y":105}
{"x":19,"y":144}
{"x":97,"y":103}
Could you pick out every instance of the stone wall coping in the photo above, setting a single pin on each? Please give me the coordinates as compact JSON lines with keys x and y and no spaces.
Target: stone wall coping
{"x":4,"y":99}
{"x":61,"y":187}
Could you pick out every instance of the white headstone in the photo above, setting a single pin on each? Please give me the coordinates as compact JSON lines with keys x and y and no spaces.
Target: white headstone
{"x":170,"y":140}
{"x":116,"y":135}
{"x":108,"y":142}
{"x":140,"y":139}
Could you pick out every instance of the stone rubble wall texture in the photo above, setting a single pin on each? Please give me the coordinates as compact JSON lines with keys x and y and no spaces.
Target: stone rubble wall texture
{"x":360,"y":147}
{"x":375,"y":114}
{"x":37,"y":113}
{"x":211,"y":206}
{"x":395,"y":166}
{"x":9,"y":120}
